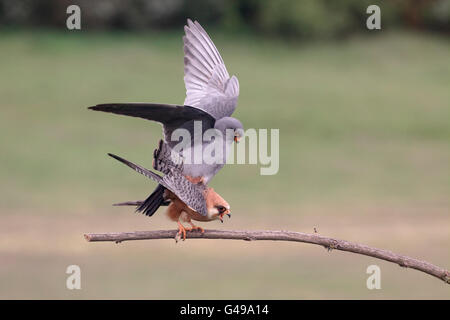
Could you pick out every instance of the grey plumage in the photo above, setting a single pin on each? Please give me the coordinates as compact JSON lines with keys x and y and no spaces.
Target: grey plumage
{"x":171,"y":116}
{"x":208,"y":167}
{"x":211,"y":98}
{"x":208,"y":84}
{"x":165,"y":159}
{"x":193,"y":195}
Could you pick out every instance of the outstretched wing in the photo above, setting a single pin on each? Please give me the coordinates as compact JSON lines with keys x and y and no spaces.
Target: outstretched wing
{"x":170,"y":115}
{"x":149,"y":174}
{"x":208,"y":84}
{"x":192,"y":195}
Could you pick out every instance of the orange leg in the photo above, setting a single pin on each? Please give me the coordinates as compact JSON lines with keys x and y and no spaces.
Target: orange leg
{"x":195,"y":180}
{"x":194,"y":227}
{"x":181,"y":231}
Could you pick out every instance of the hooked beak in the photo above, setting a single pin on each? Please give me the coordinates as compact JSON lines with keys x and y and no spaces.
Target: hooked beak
{"x":228,"y":213}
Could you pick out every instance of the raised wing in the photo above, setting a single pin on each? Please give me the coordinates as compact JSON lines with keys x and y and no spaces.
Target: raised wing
{"x":208,"y":84}
{"x":192,"y":195}
{"x":170,"y":115}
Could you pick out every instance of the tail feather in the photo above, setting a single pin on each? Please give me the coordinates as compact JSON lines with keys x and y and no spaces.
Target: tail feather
{"x":153,"y":202}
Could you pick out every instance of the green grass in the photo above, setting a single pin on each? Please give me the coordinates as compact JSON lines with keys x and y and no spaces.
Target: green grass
{"x":364,"y":155}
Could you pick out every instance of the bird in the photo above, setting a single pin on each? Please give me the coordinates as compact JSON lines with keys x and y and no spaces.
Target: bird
{"x":188,"y":201}
{"x":211,"y":98}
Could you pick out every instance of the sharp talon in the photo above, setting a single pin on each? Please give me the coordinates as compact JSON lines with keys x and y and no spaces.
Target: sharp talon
{"x":194,"y":228}
{"x":229,"y":215}
{"x":181,"y":231}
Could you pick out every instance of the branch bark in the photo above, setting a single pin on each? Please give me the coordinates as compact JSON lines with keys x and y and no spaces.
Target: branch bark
{"x":328,"y":243}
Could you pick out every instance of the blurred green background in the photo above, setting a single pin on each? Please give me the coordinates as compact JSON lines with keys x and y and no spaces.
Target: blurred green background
{"x":364,"y":119}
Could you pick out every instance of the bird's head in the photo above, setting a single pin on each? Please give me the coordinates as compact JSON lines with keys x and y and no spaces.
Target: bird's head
{"x":219,"y":211}
{"x":228,"y":124}
{"x":216,"y":205}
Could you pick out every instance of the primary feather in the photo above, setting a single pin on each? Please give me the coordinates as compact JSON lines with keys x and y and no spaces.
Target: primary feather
{"x":208,"y":84}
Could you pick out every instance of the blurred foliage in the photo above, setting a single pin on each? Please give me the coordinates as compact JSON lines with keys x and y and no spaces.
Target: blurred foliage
{"x":286,"y":18}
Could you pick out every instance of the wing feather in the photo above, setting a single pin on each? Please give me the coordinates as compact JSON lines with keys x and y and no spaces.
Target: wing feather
{"x":208,"y":83}
{"x":171,"y":116}
{"x":193,"y":195}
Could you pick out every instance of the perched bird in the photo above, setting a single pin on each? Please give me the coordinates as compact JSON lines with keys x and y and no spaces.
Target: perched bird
{"x":188,"y":201}
{"x":211,"y":98}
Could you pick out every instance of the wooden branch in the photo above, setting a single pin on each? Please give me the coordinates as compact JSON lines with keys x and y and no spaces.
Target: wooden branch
{"x":328,"y":243}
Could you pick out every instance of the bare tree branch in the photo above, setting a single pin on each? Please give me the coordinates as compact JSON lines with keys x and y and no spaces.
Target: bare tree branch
{"x":328,"y":243}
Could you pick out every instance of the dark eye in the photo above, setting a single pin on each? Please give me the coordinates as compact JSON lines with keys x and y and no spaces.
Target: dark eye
{"x":221,"y":209}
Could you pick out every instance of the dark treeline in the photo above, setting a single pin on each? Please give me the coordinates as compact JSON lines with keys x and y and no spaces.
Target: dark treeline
{"x":285,"y":18}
